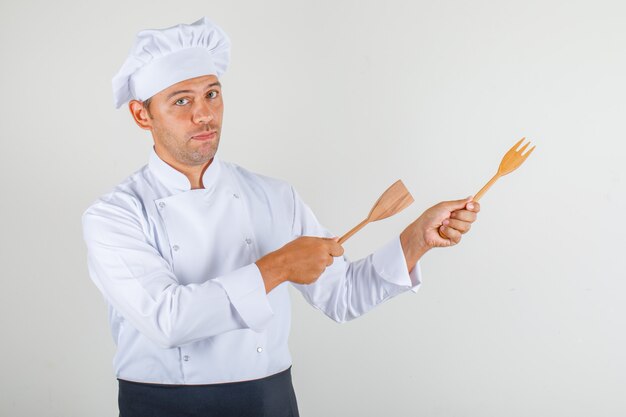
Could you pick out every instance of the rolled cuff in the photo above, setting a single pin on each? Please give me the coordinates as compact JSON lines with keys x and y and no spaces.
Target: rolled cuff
{"x":246,"y":292}
{"x":390,"y":263}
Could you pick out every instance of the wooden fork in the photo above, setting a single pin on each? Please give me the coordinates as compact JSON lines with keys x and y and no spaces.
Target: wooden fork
{"x":510,"y":162}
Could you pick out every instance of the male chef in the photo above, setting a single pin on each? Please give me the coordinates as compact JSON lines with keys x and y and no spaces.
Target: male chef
{"x":192,"y":253}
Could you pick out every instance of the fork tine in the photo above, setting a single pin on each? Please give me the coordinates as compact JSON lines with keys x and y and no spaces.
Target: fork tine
{"x":517,"y":144}
{"x":523,"y":148}
{"x":528,"y":153}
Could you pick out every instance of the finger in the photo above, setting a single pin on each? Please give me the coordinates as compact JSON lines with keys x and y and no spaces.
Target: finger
{"x":464,"y":215}
{"x":442,"y":232}
{"x":332,"y":246}
{"x":454,"y":236}
{"x":335,"y":249}
{"x":473,"y":206}
{"x":459,"y":225}
{"x":329,"y":260}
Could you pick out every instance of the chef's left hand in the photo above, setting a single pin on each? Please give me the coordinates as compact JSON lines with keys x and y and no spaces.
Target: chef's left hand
{"x":441,"y":225}
{"x":458,"y":223}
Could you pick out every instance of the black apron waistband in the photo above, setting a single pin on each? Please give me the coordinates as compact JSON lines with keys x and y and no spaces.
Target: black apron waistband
{"x":272,"y":396}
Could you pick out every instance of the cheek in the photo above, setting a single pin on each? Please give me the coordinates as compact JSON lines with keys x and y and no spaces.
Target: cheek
{"x":178,"y":121}
{"x":219,"y":111}
{"x":170,"y":131}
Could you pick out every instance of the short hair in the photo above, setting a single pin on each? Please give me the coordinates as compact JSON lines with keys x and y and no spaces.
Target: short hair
{"x":146,"y":105}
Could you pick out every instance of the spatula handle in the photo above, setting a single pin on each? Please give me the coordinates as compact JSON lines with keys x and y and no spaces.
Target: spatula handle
{"x":353,"y":231}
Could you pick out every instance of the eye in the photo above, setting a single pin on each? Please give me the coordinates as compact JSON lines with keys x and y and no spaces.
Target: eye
{"x":181,"y":102}
{"x":212,"y":94}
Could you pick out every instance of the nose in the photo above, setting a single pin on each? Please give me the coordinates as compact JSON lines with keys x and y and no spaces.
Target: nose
{"x":202,"y":113}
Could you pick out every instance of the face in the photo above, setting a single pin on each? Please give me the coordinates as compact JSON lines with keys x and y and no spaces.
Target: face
{"x":185,"y":120}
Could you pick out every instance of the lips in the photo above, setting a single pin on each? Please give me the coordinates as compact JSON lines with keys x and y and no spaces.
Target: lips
{"x":205,"y":135}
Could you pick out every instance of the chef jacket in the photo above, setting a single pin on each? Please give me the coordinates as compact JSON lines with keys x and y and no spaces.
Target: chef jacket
{"x":176,"y":266}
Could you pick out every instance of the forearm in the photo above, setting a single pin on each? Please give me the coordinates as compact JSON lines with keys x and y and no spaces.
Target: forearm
{"x":172,"y":315}
{"x":347,"y":290}
{"x":270,"y":272}
{"x":141,"y":285}
{"x":413,"y":247}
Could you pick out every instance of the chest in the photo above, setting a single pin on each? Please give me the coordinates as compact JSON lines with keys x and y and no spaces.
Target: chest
{"x":207,"y":233}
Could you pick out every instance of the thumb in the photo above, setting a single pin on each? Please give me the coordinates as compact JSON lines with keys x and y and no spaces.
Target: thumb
{"x":457,"y":204}
{"x":335,"y":248}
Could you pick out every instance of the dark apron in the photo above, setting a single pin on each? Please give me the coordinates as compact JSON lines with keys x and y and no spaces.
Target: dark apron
{"x":272,"y":396}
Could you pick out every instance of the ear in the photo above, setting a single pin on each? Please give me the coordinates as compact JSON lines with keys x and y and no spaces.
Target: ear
{"x":140,"y":114}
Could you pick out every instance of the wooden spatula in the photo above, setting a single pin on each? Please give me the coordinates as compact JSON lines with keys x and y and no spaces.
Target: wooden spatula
{"x":395,"y":199}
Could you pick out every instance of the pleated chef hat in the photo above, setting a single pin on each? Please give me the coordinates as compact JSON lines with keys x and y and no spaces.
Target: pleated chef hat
{"x":162,"y":57}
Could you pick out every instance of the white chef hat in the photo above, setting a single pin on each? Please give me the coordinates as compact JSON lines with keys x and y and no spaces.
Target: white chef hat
{"x":162,"y":57}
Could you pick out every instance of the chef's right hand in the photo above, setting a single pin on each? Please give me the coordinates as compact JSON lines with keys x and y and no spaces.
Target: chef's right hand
{"x":301,"y":261}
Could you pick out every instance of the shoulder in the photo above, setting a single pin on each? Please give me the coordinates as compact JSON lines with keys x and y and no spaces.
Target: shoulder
{"x":260,"y":183}
{"x":124,"y":202}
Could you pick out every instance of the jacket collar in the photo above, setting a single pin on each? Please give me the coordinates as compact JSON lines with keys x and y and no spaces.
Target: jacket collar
{"x":175,"y":180}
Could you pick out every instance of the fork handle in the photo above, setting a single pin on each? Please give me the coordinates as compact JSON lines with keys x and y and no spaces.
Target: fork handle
{"x":487,"y":186}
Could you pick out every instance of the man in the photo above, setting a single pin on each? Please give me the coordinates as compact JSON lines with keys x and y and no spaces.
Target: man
{"x":191,"y":253}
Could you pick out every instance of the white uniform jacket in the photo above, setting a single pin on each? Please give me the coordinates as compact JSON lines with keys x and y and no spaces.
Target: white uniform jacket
{"x":187,"y":303}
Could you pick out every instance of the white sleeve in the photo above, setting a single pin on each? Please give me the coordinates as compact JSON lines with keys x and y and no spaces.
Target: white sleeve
{"x":139,"y":283}
{"x":347,"y":289}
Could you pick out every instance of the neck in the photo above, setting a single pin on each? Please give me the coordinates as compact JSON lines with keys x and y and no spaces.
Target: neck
{"x":193,"y":173}
{"x":195,"y":176}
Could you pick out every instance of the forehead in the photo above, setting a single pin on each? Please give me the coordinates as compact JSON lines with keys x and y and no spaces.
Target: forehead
{"x":193,"y":84}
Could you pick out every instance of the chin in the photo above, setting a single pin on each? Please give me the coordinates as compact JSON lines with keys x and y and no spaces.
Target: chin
{"x":200,"y":158}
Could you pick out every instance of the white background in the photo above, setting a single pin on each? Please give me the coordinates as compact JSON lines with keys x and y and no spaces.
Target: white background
{"x":527,"y":316}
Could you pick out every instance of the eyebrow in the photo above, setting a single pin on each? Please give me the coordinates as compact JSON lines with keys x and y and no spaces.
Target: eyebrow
{"x":215,"y":84}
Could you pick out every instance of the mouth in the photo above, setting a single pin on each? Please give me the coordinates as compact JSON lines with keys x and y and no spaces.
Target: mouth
{"x":205,"y":136}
